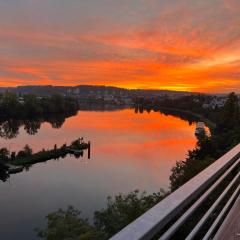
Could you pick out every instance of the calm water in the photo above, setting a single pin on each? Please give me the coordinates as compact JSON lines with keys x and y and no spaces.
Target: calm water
{"x":129,"y":151}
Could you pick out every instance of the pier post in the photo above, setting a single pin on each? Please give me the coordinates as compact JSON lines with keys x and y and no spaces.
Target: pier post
{"x":89,"y":149}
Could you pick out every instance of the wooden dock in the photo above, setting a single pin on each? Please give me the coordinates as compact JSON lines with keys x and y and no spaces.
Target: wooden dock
{"x":14,"y":169}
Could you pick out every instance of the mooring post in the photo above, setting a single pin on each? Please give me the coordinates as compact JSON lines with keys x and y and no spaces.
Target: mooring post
{"x":89,"y":149}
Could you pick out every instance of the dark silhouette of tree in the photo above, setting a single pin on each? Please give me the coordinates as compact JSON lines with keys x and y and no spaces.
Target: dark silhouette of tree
{"x":10,"y":107}
{"x":32,"y":107}
{"x":26,"y":152}
{"x":209,"y":149}
{"x":9,"y":129}
{"x":31,"y":111}
{"x":4,"y":154}
{"x":32,"y":126}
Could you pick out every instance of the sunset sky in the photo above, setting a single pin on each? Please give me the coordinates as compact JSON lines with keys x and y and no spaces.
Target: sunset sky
{"x":191,"y":45}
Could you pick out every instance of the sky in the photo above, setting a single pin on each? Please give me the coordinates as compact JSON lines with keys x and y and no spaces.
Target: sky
{"x":190,"y":45}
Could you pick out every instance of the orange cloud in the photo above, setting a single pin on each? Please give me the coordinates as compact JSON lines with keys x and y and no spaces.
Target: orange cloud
{"x":186,"y":45}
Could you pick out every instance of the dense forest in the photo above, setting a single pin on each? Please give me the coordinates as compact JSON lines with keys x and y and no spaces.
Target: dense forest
{"x":123,"y":209}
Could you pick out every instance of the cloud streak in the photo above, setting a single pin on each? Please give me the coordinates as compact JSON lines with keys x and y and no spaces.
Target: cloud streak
{"x":181,"y":45}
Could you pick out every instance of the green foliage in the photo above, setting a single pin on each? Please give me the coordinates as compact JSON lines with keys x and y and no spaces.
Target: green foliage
{"x":9,"y":129}
{"x":26,"y":152}
{"x":230,"y":116}
{"x":27,"y":157}
{"x":13,"y":155}
{"x":209,"y":149}
{"x":68,"y":225}
{"x":10,"y":107}
{"x":120,"y":211}
{"x":57,"y":105}
{"x":78,"y":144}
{"x":4,"y":154}
{"x":32,"y":126}
{"x":123,"y":209}
{"x":30,"y":111}
{"x":32,"y":107}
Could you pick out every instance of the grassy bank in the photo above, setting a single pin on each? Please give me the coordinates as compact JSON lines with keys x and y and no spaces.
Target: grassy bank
{"x":45,"y":155}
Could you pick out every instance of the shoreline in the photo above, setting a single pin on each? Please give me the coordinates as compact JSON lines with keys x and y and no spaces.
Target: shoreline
{"x":208,"y":122}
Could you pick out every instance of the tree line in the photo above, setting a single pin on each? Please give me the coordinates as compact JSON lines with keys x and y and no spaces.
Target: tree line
{"x":30,"y":106}
{"x":224,"y":137}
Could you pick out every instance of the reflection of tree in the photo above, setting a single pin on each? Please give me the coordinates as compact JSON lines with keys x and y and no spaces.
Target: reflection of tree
{"x":57,"y":122}
{"x":32,"y":126}
{"x":3,"y":176}
{"x":190,"y":118}
{"x":9,"y":129}
{"x":31,"y":110}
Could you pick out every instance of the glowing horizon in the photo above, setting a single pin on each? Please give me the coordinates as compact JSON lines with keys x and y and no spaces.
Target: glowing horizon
{"x":182,"y":45}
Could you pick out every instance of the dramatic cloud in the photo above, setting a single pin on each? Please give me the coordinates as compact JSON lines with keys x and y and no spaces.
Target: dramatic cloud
{"x":175,"y":44}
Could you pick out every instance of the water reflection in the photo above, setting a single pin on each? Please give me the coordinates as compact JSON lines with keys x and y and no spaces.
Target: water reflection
{"x":4,"y":175}
{"x":129,"y":151}
{"x":186,"y":116}
{"x":79,"y":155}
{"x":9,"y":129}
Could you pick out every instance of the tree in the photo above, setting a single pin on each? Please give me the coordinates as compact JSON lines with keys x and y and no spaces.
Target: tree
{"x":209,"y":149}
{"x":32,"y":126}
{"x":230,"y":115}
{"x":9,"y":129}
{"x":26,"y":152}
{"x":4,"y":154}
{"x":32,"y":107}
{"x":123,"y":209}
{"x":63,"y":225}
{"x":120,"y":211}
{"x":13,"y":155}
{"x":10,"y":105}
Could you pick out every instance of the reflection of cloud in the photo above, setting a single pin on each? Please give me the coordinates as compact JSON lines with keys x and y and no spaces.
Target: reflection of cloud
{"x":232,"y":5}
{"x":158,"y":44}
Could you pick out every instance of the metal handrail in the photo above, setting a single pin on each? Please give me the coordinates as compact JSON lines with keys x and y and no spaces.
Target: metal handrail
{"x":169,"y":233}
{"x":197,"y":228}
{"x":154,"y":220}
{"x":224,"y":210}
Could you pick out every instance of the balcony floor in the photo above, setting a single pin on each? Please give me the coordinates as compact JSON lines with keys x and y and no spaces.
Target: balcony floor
{"x":230,"y":229}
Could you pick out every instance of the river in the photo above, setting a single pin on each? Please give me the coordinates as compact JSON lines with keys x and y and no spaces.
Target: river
{"x":128,"y":151}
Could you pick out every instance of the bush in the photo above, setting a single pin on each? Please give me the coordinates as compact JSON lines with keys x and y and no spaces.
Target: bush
{"x":121,"y":210}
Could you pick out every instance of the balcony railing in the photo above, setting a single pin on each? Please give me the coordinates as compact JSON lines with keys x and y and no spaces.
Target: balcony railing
{"x":166,"y":218}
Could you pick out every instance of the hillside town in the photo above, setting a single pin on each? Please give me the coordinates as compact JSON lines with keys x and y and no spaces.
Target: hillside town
{"x":107,"y":95}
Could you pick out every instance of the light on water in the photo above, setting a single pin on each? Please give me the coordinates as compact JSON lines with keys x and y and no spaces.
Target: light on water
{"x":129,"y":151}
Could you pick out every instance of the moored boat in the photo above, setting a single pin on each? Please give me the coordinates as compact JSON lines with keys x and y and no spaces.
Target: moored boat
{"x":200,"y":128}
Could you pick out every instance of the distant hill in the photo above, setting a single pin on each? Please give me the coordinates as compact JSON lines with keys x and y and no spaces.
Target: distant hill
{"x":87,"y":89}
{"x":37,"y":90}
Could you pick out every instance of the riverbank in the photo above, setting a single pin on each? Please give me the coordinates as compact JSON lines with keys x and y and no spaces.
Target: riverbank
{"x":207,"y":121}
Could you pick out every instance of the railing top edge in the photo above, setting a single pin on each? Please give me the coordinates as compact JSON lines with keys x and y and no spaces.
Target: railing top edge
{"x":149,"y":220}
